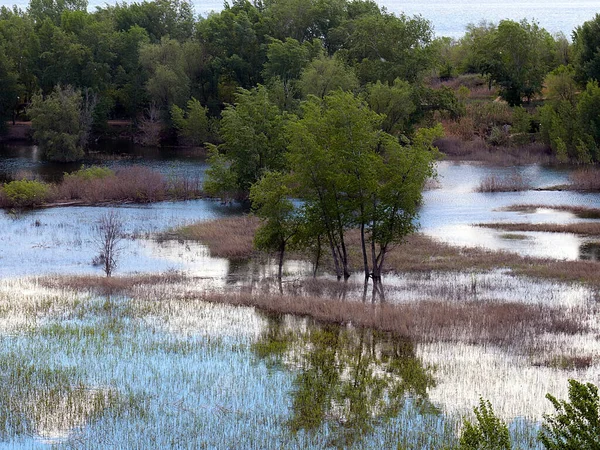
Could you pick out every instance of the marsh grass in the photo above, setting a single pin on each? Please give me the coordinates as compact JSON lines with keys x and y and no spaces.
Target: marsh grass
{"x":514,"y":182}
{"x":232,"y":237}
{"x":585,"y":180}
{"x":226,"y":238}
{"x":583,"y":229}
{"x":580,"y":211}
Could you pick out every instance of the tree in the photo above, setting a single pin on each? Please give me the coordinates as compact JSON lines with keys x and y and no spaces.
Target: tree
{"x":253,"y":133}
{"x":109,"y":233}
{"x":586,"y":42}
{"x":576,"y":423}
{"x":271,"y":202}
{"x":351,"y":174}
{"x":192,"y":124}
{"x":61,"y":123}
{"x":9,"y":91}
{"x":326,"y":74}
{"x":515,"y":55}
{"x":384,"y":47}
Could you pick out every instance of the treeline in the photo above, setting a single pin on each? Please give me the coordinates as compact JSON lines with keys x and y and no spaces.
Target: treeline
{"x":173,"y":73}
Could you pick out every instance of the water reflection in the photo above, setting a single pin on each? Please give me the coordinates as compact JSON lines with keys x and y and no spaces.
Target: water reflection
{"x":17,"y":161}
{"x":348,"y":380}
{"x":590,"y":251}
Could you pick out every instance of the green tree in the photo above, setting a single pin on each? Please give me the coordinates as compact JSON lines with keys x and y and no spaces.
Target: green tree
{"x":394,"y":101}
{"x":167,"y":82}
{"x":385,"y":47}
{"x":325,"y":74}
{"x":253,"y":133}
{"x":586,"y":42}
{"x":515,"y":55}
{"x":192,"y":124}
{"x":270,"y":197}
{"x":489,"y":433}
{"x":9,"y":91}
{"x":576,"y":423}
{"x":59,"y":124}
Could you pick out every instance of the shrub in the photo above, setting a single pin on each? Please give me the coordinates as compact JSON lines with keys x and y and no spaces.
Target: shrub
{"x":576,"y":423}
{"x":489,"y":433}
{"x":90,"y":173}
{"x":24,"y":193}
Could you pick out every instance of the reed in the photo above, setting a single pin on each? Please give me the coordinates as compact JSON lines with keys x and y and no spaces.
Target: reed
{"x":583,"y":229}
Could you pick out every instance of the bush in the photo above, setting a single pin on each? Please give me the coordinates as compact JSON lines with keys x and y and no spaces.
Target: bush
{"x":90,"y":173}
{"x":489,"y":433}
{"x":576,"y":423}
{"x":24,"y":193}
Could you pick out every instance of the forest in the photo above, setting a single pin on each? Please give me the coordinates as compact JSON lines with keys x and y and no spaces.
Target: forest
{"x":178,"y":77}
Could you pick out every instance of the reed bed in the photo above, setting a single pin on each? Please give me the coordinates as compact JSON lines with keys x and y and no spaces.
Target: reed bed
{"x":514,"y":182}
{"x":585,"y":180}
{"x":582,"y":229}
{"x":582,"y":212}
{"x":226,"y":238}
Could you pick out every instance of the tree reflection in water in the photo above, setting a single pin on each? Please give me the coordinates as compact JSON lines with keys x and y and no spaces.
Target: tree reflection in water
{"x":349,"y":380}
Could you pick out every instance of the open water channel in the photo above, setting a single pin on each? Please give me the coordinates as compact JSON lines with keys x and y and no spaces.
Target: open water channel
{"x":79,"y":370}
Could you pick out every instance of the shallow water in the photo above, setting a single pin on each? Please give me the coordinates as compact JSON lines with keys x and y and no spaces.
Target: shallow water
{"x":449,"y":212}
{"x":186,"y":374}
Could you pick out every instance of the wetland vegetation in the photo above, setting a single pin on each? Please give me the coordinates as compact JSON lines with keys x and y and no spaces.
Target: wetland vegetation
{"x":298,"y":306}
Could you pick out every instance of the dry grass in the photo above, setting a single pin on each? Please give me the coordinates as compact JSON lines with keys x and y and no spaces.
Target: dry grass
{"x":580,"y":211}
{"x":110,"y":285}
{"x":476,"y":322}
{"x":226,"y":238}
{"x":586,"y":180}
{"x":583,"y":229}
{"x":514,"y":182}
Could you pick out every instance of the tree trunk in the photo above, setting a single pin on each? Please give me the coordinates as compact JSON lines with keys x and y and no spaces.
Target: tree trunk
{"x":281,"y":255}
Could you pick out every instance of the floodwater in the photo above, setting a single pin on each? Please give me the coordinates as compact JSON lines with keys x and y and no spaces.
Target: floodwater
{"x":171,"y":372}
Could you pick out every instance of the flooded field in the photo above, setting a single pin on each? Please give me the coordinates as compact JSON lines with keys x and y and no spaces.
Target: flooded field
{"x":168,"y":366}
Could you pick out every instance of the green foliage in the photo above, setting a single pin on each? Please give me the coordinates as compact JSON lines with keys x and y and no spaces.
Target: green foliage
{"x":252,"y":131}
{"x":270,"y":197}
{"x":576,"y":423}
{"x":91,"y":173}
{"x":515,"y":55}
{"x":193,"y":124}
{"x":395,"y":102}
{"x":25,"y":193}
{"x":521,"y":120}
{"x":325,"y":74}
{"x":221,"y":180}
{"x":9,"y":91}
{"x":489,"y":433}
{"x":58,"y":124}
{"x":586,"y":42}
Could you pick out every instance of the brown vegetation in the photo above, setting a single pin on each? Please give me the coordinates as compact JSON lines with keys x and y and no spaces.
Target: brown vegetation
{"x":481,"y":322}
{"x":226,"y":238}
{"x":514,"y":182}
{"x":583,"y":229}
{"x":476,"y":149}
{"x":136,"y":184}
{"x":580,"y":211}
{"x":585,"y":180}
